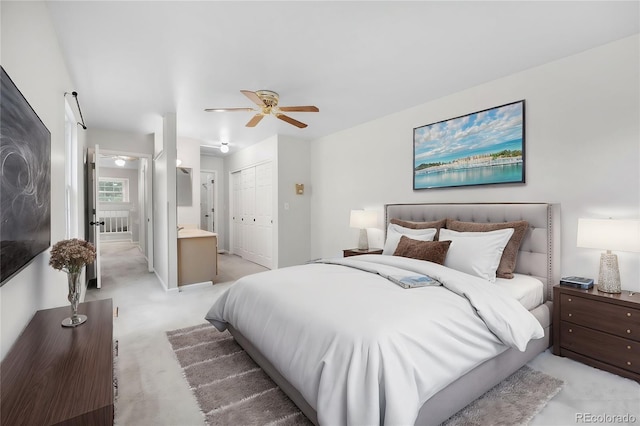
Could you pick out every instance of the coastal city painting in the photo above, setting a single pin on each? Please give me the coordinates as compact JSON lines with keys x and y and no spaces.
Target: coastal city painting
{"x":485,"y":147}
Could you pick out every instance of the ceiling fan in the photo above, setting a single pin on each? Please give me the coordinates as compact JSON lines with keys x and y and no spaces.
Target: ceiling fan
{"x":267,"y":100}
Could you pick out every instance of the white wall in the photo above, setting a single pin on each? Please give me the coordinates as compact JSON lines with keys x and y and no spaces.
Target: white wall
{"x":165,"y":242}
{"x":294,"y":211}
{"x":189,"y":153}
{"x":254,"y":154}
{"x":210,"y":163}
{"x":121,"y":142}
{"x":32,"y":58}
{"x":582,"y":151}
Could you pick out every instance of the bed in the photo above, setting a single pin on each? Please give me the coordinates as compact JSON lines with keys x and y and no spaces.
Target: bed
{"x":401,"y":377}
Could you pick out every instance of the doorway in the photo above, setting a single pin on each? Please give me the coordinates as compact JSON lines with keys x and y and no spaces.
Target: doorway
{"x":208,"y":195}
{"x":119,"y":205}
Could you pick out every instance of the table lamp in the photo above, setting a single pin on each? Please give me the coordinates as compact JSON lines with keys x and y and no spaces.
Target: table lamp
{"x":363,"y":219}
{"x":609,"y":234}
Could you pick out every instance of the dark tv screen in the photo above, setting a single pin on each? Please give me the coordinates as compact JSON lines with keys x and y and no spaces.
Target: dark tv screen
{"x":25,"y":182}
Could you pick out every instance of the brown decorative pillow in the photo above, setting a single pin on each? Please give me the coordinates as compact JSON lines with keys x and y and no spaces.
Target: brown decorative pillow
{"x":421,"y":225}
{"x":432,"y":251}
{"x":510,"y":254}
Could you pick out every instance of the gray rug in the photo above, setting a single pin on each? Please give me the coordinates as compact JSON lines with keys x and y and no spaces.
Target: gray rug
{"x":232,"y":389}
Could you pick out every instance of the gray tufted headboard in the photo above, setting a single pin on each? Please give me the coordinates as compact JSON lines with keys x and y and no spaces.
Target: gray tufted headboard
{"x":539,"y":253}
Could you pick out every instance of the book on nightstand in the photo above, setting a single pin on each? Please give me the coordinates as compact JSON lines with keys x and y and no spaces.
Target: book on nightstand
{"x":577,"y":282}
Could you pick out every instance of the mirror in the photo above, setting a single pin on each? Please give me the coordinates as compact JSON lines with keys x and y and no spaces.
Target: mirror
{"x":184,"y":186}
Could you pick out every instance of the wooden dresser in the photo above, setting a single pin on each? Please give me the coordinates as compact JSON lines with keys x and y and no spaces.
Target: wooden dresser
{"x":55,"y":375}
{"x":598,"y":329}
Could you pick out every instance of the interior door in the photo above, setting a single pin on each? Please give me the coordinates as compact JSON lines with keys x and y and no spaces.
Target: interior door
{"x":148,"y":211}
{"x":207,"y":208}
{"x":96,"y":214}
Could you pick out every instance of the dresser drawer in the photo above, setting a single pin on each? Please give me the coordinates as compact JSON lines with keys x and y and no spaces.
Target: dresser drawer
{"x":607,"y":317}
{"x":604,"y":347}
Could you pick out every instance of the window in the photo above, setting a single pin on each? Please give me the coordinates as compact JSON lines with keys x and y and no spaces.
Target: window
{"x":113,"y":190}
{"x":71,"y":173}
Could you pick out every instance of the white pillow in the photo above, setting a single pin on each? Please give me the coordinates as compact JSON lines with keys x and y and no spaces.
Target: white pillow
{"x":395,"y":232}
{"x":476,"y":253}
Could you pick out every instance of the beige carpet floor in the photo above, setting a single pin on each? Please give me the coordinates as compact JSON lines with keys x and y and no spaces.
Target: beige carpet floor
{"x":153,"y":391}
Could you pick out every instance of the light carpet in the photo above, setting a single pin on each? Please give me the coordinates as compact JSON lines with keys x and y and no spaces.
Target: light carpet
{"x":232,"y":389}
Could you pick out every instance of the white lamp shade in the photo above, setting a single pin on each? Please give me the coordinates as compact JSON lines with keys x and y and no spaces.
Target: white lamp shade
{"x":609,"y":234}
{"x":363,"y":219}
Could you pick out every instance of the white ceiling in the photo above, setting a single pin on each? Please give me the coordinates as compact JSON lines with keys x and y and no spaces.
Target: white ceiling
{"x":356,"y":61}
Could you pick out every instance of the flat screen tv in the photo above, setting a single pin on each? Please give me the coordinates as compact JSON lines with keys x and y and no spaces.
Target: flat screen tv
{"x":25,"y":182}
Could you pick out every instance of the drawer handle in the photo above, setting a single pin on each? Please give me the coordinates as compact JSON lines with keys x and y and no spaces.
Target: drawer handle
{"x":628,"y":331}
{"x":570,"y":314}
{"x":628,"y":314}
{"x":628,"y":347}
{"x":628,"y":362}
{"x":571,"y":330}
{"x":569,"y":299}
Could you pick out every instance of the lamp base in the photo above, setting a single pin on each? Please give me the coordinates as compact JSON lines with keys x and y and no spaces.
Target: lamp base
{"x":363,"y":242}
{"x":609,"y":276}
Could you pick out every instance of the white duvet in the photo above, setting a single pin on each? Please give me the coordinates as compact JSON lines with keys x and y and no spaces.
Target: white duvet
{"x":361,"y":349}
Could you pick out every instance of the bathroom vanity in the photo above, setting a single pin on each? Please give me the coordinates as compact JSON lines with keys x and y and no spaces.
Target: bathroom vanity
{"x":197,"y":256}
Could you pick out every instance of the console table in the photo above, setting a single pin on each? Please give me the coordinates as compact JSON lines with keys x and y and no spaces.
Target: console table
{"x":59,"y":375}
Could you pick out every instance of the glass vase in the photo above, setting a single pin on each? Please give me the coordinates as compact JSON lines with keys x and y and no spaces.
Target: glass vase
{"x":73,"y":279}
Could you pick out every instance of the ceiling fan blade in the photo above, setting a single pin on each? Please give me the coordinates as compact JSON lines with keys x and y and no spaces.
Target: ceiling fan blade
{"x":255,"y":120}
{"x":228,"y":109}
{"x":291,"y":121}
{"x":306,"y":108}
{"x":254,"y":98}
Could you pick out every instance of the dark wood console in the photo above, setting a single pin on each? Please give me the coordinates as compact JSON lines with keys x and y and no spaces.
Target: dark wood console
{"x":55,"y":375}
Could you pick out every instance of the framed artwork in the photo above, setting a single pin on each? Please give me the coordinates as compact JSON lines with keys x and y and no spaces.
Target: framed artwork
{"x":481,"y":148}
{"x":25,"y":182}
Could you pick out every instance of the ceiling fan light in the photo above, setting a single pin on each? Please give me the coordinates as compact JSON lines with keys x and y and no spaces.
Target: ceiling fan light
{"x":120,"y":162}
{"x":224,"y":148}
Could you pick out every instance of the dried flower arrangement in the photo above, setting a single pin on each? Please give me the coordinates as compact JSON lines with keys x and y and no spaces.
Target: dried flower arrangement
{"x":71,"y":255}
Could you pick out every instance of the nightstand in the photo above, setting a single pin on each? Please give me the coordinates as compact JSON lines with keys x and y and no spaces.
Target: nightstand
{"x":598,"y":329}
{"x":358,"y":252}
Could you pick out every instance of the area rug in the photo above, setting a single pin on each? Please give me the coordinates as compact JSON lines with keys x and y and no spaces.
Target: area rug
{"x":232,"y":389}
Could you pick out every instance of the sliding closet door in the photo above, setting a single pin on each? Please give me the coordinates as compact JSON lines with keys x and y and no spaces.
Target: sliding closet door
{"x":248,"y":217}
{"x":253,"y":214}
{"x":236,"y":222}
